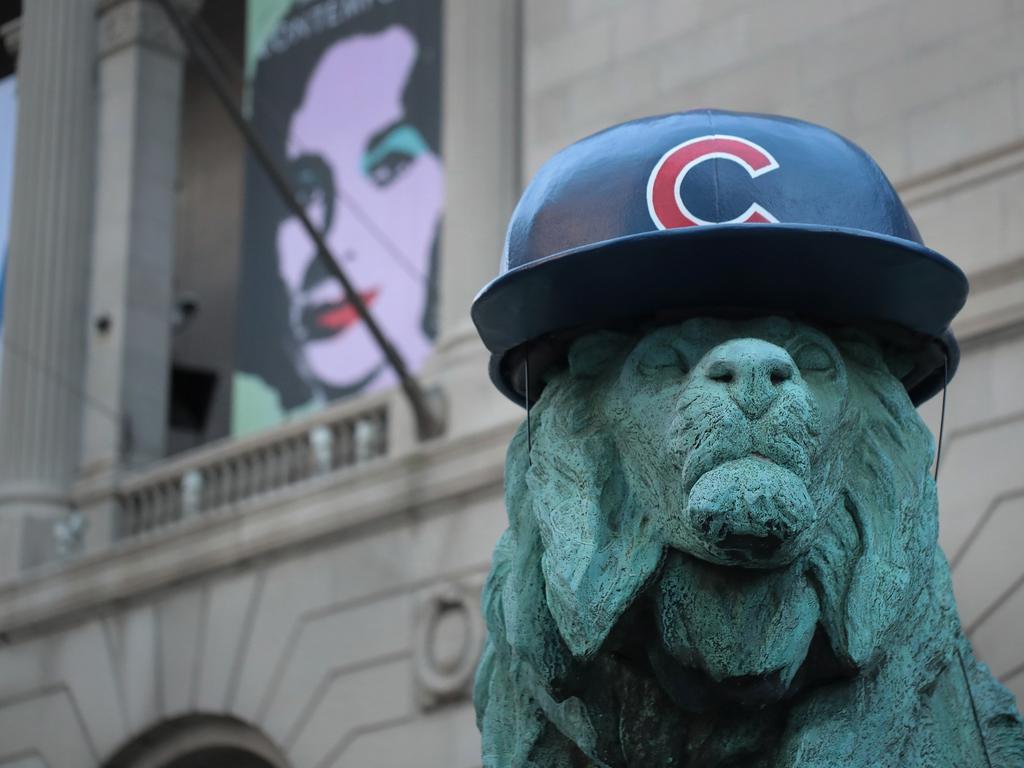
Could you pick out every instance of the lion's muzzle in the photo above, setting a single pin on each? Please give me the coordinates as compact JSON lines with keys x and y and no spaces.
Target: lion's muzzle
{"x":748,"y":503}
{"x":751,"y":512}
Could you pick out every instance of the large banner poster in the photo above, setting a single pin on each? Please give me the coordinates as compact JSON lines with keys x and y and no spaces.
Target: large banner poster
{"x":347,"y":94}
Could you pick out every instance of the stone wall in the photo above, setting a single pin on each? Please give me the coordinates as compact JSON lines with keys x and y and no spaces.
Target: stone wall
{"x":348,"y":637}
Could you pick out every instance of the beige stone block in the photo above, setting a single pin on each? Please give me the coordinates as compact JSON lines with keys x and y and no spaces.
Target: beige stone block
{"x":10,"y":548}
{"x":981,"y":396}
{"x":329,"y":645}
{"x":828,"y":106}
{"x":180,"y":624}
{"x":977,"y":223}
{"x":1011,"y":221}
{"x":964,"y":225}
{"x":990,"y":561}
{"x":547,"y":117}
{"x":134,"y":637}
{"x":781,"y":25}
{"x":997,"y":640}
{"x":543,"y":20}
{"x":980,"y":458}
{"x":882,"y":95}
{"x":634,"y":31}
{"x":557,"y":60}
{"x":929,"y":24}
{"x":81,"y":657}
{"x":1016,"y":686}
{"x":25,"y":761}
{"x":79,"y":660}
{"x":929,"y":74}
{"x":581,"y":11}
{"x":978,"y":121}
{"x":23,"y":669}
{"x":648,"y":26}
{"x":307,"y":583}
{"x":1007,"y":372}
{"x":736,"y":89}
{"x":447,"y":738}
{"x":631,"y":84}
{"x":992,"y":51}
{"x":457,"y":542}
{"x":353,"y":705}
{"x":861,"y":42}
{"x":599,"y":100}
{"x":228,"y":610}
{"x":996,"y":306}
{"x":475,"y":404}
{"x":1018,"y":88}
{"x":48,"y":726}
{"x":708,"y":49}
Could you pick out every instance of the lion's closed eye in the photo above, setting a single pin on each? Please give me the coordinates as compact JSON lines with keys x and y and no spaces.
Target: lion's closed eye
{"x":661,"y":359}
{"x":813,"y":358}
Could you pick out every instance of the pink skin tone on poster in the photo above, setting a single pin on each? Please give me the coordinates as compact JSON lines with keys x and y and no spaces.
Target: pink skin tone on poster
{"x":386,"y":209}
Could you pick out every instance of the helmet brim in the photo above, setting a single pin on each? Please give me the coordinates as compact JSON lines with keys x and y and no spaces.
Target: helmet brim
{"x":820,"y":274}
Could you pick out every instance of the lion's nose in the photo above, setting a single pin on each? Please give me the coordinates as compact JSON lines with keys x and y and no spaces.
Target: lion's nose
{"x":753,"y":371}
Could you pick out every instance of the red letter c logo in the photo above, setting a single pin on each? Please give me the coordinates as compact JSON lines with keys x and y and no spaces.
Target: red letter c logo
{"x":664,"y":188}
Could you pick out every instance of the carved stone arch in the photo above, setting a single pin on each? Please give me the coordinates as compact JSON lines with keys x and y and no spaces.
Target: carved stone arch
{"x":199,"y":741}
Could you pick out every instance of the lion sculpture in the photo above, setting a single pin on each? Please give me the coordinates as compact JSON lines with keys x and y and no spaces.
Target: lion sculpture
{"x":722,"y":551}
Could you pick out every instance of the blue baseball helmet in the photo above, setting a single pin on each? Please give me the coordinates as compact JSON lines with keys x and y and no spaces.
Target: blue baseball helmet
{"x":717,"y":214}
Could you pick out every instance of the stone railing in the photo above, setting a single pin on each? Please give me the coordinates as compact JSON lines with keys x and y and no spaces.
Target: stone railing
{"x":231,"y":471}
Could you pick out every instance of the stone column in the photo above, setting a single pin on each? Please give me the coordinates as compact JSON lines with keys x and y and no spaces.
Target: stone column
{"x":47,"y":271}
{"x":139,"y":89}
{"x":481,"y":137}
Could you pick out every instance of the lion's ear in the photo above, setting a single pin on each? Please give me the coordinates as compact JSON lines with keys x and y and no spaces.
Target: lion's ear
{"x":890,"y":498}
{"x":591,"y":354}
{"x":594,"y":568}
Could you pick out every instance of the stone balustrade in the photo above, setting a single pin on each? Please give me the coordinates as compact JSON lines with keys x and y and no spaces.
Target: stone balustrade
{"x":223,"y":474}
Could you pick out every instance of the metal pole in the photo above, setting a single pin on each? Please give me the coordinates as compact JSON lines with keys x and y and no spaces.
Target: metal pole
{"x":428,"y":422}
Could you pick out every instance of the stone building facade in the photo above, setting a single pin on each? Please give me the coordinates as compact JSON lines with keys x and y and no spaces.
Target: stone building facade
{"x":307,"y":597}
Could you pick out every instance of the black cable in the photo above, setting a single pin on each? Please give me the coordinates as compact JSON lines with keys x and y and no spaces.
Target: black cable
{"x":529,"y":434}
{"x":974,"y":709}
{"x":942,"y":417}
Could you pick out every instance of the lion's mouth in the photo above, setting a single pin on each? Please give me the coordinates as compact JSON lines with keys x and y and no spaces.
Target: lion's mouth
{"x":711,"y":454}
{"x":749,"y":512}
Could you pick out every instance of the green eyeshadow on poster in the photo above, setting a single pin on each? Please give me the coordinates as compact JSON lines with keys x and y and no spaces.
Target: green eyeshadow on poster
{"x":347,"y":94}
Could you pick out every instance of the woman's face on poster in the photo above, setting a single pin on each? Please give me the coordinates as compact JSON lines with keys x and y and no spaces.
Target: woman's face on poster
{"x":372,"y":185}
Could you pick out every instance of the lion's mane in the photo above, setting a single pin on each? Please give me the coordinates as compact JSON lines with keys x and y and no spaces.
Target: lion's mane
{"x":558,"y":685}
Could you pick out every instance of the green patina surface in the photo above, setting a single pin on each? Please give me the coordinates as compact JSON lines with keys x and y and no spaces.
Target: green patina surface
{"x":722,"y":551}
